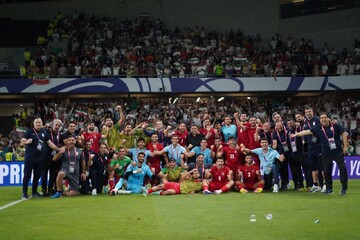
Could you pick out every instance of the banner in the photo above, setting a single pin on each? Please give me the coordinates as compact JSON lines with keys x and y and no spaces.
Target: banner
{"x":112,"y":84}
{"x":11,"y":173}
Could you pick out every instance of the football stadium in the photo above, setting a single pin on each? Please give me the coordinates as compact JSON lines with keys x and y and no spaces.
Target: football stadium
{"x":167,"y":119}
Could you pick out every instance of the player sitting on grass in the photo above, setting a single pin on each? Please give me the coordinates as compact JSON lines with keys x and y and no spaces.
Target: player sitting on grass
{"x":249,"y":177}
{"x":135,"y":174}
{"x":221,"y":178}
{"x":188,"y":183}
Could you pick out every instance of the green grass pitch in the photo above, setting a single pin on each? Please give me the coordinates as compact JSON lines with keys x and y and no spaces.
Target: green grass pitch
{"x":225,"y":216}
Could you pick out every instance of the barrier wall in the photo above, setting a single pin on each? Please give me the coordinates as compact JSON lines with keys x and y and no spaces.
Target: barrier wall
{"x":180,"y":85}
{"x":11,"y":173}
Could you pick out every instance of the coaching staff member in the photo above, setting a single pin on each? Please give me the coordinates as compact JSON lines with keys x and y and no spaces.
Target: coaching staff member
{"x":332,"y":149}
{"x":34,"y":140}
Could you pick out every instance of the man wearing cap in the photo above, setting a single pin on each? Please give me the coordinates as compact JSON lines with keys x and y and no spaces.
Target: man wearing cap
{"x":71,"y":158}
{"x":332,"y":149}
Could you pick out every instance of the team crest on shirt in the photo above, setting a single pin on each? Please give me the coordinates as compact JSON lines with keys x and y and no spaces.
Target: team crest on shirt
{"x":42,"y":135}
{"x":223,"y":174}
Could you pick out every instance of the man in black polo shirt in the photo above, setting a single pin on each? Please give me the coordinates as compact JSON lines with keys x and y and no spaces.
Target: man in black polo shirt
{"x":332,"y":149}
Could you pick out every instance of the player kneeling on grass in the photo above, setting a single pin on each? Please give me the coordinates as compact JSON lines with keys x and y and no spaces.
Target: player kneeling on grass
{"x":188,"y":183}
{"x":249,"y":177}
{"x":135,"y":174}
{"x":267,"y":158}
{"x":221,"y":178}
{"x":71,"y":158}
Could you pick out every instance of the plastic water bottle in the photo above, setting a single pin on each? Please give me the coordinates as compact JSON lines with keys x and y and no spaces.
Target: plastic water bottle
{"x":252,"y":218}
{"x":269,"y":216}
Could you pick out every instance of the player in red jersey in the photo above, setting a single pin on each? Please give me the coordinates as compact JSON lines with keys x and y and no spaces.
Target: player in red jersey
{"x":92,"y":136}
{"x":182,"y":134}
{"x":216,"y":148}
{"x":154,"y":162}
{"x":221,"y":178}
{"x":242,"y":124}
{"x":253,"y":141}
{"x":208,"y":132}
{"x":232,"y":155}
{"x":249,"y":177}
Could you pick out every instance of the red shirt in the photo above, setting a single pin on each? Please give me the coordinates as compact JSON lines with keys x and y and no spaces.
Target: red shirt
{"x":251,"y":136}
{"x":242,"y":135}
{"x":155,"y":161}
{"x":182,"y":137}
{"x":249,"y":173}
{"x":232,"y":156}
{"x":94,"y":138}
{"x":219,"y":175}
{"x":211,"y":139}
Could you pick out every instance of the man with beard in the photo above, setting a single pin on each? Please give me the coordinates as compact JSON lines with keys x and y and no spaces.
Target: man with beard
{"x":208,"y":131}
{"x":92,"y":137}
{"x":34,"y":139}
{"x":112,"y":131}
{"x":202,"y":168}
{"x":188,"y":183}
{"x":221,"y":178}
{"x":135,"y":174}
{"x":242,"y":135}
{"x":300,"y":122}
{"x":296,"y":156}
{"x":50,"y":166}
{"x":97,"y":167}
{"x":249,"y":177}
{"x":88,"y":154}
{"x":314,"y":151}
{"x":182,"y":134}
{"x":281,"y":144}
{"x":155,"y":161}
{"x":71,"y":158}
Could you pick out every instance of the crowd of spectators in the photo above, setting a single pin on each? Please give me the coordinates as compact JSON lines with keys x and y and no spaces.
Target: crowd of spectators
{"x":100,"y":46}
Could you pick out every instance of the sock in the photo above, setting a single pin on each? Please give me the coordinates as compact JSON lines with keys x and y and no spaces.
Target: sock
{"x":205,"y":187}
{"x":224,"y":189}
{"x":112,"y":183}
{"x":150,"y":190}
{"x":161,"y":193}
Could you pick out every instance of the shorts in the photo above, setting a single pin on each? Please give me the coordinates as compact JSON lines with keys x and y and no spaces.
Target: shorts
{"x":73,"y":179}
{"x":250,"y":186}
{"x":314,"y":158}
{"x":216,"y":185}
{"x":173,"y":186}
